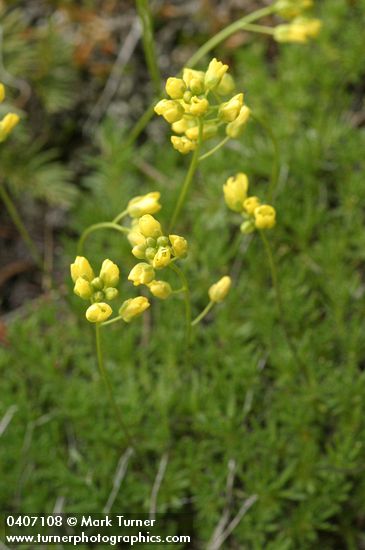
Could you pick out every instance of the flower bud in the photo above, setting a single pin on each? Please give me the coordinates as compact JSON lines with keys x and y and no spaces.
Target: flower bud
{"x":7,"y":124}
{"x":198,"y":107}
{"x":226,"y":85}
{"x":300,"y":30}
{"x":194,"y":80}
{"x":144,"y":204}
{"x":150,"y":253}
{"x":149,"y":226}
{"x":160,"y":289}
{"x":171,"y":110}
{"x":219,"y":290}
{"x":182,"y":125}
{"x":97,"y":283}
{"x":179,"y":246}
{"x":83,"y":289}
{"x":141,"y":274}
{"x":230,"y":110}
{"x":247,"y":227}
{"x":214,"y":74}
{"x":183,"y":144}
{"x":175,"y":87}
{"x":235,"y":128}
{"x":81,"y":268}
{"x":109,"y":273}
{"x":250,"y":204}
{"x":111,"y":293}
{"x":292,"y":8}
{"x":235,"y":191}
{"x":139,"y":251}
{"x":163,"y":241}
{"x":162,"y":257}
{"x":133,"y":307}
{"x":265,"y":217}
{"x":2,"y":93}
{"x":209,"y":130}
{"x":98,"y":296}
{"x":98,"y":313}
{"x":136,"y":238}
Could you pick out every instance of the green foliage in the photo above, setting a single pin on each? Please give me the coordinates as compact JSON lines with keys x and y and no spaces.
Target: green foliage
{"x":238,"y":395}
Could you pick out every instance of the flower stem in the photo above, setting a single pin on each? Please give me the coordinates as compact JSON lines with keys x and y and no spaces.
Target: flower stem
{"x":201,"y":315}
{"x":185,"y":286}
{"x":280,"y":305}
{"x":276,"y":160}
{"x":96,"y":227}
{"x":214,"y":149}
{"x":14,"y":215}
{"x":120,"y":216}
{"x":187,"y":182}
{"x":144,"y":13}
{"x":109,"y":386}
{"x":111,"y":321}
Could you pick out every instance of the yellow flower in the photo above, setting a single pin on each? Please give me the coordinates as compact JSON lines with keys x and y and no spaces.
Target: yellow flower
{"x":230,"y":110}
{"x":194,"y":80}
{"x":234,"y":128}
{"x":292,"y":8}
{"x":135,"y":237}
{"x":144,"y":204}
{"x":133,"y":307}
{"x":160,"y":289}
{"x":149,"y":226}
{"x":141,"y":274}
{"x":171,"y":110}
{"x":109,"y":273}
{"x":81,"y":268}
{"x":219,"y":290}
{"x":139,"y":251}
{"x":198,"y":106}
{"x":83,"y":288}
{"x":7,"y":124}
{"x":179,"y":245}
{"x":162,"y":257}
{"x":98,"y":313}
{"x":214,"y":74}
{"x":300,"y":30}
{"x":251,"y":204}
{"x":235,"y":191}
{"x":175,"y":87}
{"x":226,"y":85}
{"x":182,"y":125}
{"x":265,"y":217}
{"x":183,"y":144}
{"x":2,"y":92}
{"x":209,"y":130}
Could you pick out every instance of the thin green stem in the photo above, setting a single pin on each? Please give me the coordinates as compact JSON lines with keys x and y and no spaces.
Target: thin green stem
{"x":276,"y":159}
{"x":201,"y":315}
{"x":225,"y":33}
{"x":214,"y":149}
{"x":187,"y":182}
{"x":282,"y":315}
{"x":18,"y":222}
{"x":112,"y":321}
{"x":145,"y":15}
{"x":96,"y":227}
{"x":109,"y":386}
{"x":120,"y":216}
{"x":187,"y":300}
{"x":261,"y":29}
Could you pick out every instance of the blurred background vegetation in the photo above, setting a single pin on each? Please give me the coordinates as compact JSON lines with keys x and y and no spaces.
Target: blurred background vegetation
{"x":236,"y":406}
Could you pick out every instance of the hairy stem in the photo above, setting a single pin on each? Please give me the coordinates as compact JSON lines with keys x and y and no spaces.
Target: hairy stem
{"x":144,"y":13}
{"x":201,"y":315}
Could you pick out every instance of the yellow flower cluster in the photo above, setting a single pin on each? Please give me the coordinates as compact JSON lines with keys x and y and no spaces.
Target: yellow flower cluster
{"x":256,"y":215}
{"x":101,"y":288}
{"x":158,"y":250}
{"x":9,"y":121}
{"x":194,"y":116}
{"x":300,"y":30}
